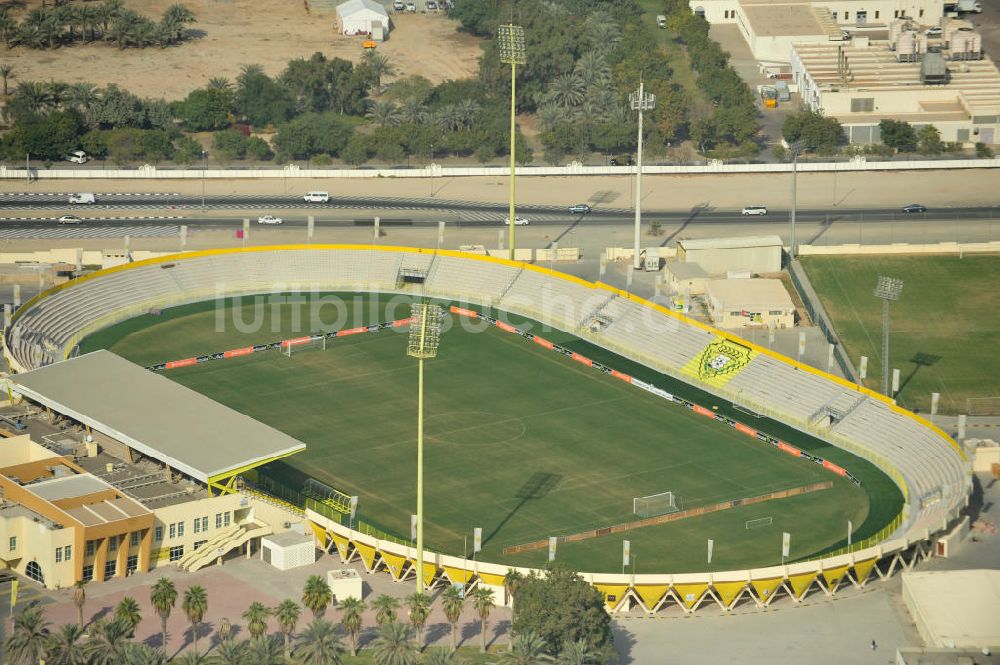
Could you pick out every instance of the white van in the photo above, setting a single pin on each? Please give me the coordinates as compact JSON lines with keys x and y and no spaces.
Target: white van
{"x":316,"y":197}
{"x":754,"y":210}
{"x":85,"y":198}
{"x":661,"y":21}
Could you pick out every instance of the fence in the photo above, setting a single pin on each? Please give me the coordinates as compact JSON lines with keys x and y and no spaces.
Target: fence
{"x":982,"y":406}
{"x":819,"y":316}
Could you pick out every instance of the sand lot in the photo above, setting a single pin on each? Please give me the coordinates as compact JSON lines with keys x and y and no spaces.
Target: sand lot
{"x":232,"y":33}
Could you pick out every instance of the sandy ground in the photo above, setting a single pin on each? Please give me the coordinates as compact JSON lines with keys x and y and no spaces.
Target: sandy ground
{"x":232,"y":33}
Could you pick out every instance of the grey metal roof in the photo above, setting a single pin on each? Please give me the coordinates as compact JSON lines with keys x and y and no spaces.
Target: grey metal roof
{"x":68,"y":487}
{"x":154,"y":415}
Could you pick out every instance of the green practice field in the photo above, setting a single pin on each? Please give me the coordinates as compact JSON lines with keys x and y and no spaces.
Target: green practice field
{"x":520,"y":441}
{"x":943,"y":327}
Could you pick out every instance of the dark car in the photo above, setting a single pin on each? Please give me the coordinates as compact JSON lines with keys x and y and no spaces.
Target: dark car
{"x":915,"y":207}
{"x":579,"y":209}
{"x":625,"y":160}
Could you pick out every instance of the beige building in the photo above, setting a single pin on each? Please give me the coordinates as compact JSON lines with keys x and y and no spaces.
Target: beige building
{"x":745,"y":303}
{"x":718,"y":256}
{"x":861,"y":83}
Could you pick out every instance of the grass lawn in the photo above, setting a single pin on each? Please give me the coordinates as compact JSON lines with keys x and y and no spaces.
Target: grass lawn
{"x":520,"y":441}
{"x":942,"y":328}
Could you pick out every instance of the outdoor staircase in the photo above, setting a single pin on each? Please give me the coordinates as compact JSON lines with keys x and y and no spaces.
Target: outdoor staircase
{"x":230,"y":539}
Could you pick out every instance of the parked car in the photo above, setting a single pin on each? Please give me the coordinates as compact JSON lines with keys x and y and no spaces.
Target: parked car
{"x":623,"y":160}
{"x":411,"y":7}
{"x":754,"y":210}
{"x":269,"y":219}
{"x":78,"y":157}
{"x":661,"y":21}
{"x":915,"y":207}
{"x":316,"y":197}
{"x":518,"y":221}
{"x":398,"y":5}
{"x":935,"y":31}
{"x":432,"y":5}
{"x":70,"y":219}
{"x":82,"y":199}
{"x":579,"y":209}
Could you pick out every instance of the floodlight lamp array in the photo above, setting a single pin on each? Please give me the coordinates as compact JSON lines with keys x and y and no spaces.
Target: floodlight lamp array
{"x":888,"y":288}
{"x":510,"y":39}
{"x":425,"y":331}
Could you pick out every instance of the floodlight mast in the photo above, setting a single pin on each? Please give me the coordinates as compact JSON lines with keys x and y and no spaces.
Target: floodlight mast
{"x":888,"y":291}
{"x":794,"y":149}
{"x":639,"y":101}
{"x":423,"y":341}
{"x":510,"y":39}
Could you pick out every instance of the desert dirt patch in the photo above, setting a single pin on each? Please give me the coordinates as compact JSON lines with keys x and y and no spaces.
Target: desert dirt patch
{"x":233,"y":33}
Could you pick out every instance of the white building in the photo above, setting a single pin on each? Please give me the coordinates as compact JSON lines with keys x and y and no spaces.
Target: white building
{"x":361,"y":17}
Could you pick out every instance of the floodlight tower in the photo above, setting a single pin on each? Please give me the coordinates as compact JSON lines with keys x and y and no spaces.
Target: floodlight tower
{"x":887,"y":290}
{"x":794,"y":149}
{"x":639,"y":101}
{"x":425,"y":334}
{"x":510,"y":39}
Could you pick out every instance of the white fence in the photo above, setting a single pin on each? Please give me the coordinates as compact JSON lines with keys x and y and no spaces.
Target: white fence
{"x":150,"y":172}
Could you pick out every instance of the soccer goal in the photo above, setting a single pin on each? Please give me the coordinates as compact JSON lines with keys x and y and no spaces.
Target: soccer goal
{"x":757,"y":523}
{"x":289,"y":347}
{"x":655,"y":504}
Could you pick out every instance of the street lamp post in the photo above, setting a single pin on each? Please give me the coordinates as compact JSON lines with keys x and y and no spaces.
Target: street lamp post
{"x":204,"y":167}
{"x":887,"y":290}
{"x":425,"y":335}
{"x":639,"y":101}
{"x":794,"y":149}
{"x":510,"y":39}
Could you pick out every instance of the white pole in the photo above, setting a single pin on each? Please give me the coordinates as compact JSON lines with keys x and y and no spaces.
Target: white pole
{"x":895,"y":382}
{"x":184,"y":235}
{"x":961,"y":427}
{"x":310,"y":227}
{"x":440,"y":234}
{"x":378,"y":221}
{"x":863,"y":370}
{"x":638,"y":180}
{"x":935,"y":398}
{"x":829,"y":358}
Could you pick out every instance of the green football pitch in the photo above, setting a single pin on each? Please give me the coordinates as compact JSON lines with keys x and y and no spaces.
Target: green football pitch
{"x":943,"y":326}
{"x":520,"y":441}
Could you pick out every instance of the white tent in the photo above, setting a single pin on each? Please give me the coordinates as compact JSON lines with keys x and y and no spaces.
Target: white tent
{"x":360,"y":16}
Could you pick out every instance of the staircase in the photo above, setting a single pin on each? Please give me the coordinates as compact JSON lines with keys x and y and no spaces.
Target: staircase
{"x":230,"y":539}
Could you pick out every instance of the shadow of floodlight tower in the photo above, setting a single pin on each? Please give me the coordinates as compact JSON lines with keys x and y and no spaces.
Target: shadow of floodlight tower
{"x":510,"y":40}
{"x":425,"y":336}
{"x":887,"y":290}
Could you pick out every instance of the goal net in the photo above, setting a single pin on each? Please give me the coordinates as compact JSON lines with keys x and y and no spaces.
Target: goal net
{"x":290,"y":347}
{"x":654,"y":504}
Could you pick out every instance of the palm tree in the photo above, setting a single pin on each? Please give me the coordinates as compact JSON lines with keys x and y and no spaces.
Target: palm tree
{"x":316,"y":595}
{"x":411,"y":111}
{"x":318,"y":644}
{"x":382,"y":113}
{"x":379,"y":65}
{"x":80,"y":96}
{"x":195,"y":604}
{"x":29,"y":640}
{"x":482,"y":601}
{"x":189,"y":658}
{"x":219,"y":83}
{"x":467,"y":110}
{"x":128,"y":613}
{"x":79,"y":599}
{"x":65,"y":647}
{"x":287,"y":613}
{"x":107,"y":642}
{"x":124,"y":27}
{"x":385,"y":609}
{"x":453,"y":602}
{"x":231,"y":652}
{"x":567,"y":90}
{"x":225,"y":629}
{"x":176,"y":18}
{"x":142,"y":654}
{"x":6,"y":70}
{"x":8,"y":25}
{"x":442,"y":656}
{"x":352,"y":618}
{"x":264,"y":650}
{"x":256,"y":618}
{"x":163,"y":597}
{"x":107,"y":11}
{"x":526,"y":649}
{"x":593,"y":70}
{"x":578,"y":653}
{"x":394,"y":646}
{"x":90,"y":18}
{"x":419,"y":606}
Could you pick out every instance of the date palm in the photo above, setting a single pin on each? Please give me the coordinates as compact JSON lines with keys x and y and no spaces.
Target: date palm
{"x":66,"y":647}
{"x":318,"y":644}
{"x":352,"y":619}
{"x":383,"y":113}
{"x":453,"y":602}
{"x":29,"y":641}
{"x":316,"y":595}
{"x":107,"y":642}
{"x":578,"y":653}
{"x":142,"y":654}
{"x":163,"y":597}
{"x":385,"y":609}
{"x":379,"y":66}
{"x":231,"y":652}
{"x":593,"y":70}
{"x":526,"y":649}
{"x":90,"y":18}
{"x":195,"y":604}
{"x":176,"y":18}
{"x":394,"y":645}
{"x":219,"y":83}
{"x":8,"y":25}
{"x":442,"y":656}
{"x":419,"y":606}
{"x":80,"y":96}
{"x":264,"y":650}
{"x":287,"y":613}
{"x":79,"y":599}
{"x":482,"y":602}
{"x":411,"y":111}
{"x":108,"y":11}
{"x":567,"y":90}
{"x":127,"y":611}
{"x":256,"y":618}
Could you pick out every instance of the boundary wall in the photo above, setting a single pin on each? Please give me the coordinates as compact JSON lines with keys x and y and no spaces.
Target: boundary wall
{"x":912,"y":541}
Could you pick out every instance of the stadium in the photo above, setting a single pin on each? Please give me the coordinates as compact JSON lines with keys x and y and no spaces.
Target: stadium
{"x":563,"y":418}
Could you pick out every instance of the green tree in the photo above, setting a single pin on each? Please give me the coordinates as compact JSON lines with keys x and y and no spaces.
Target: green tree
{"x":258,"y":149}
{"x":66,"y":646}
{"x":28,"y":642}
{"x":527,"y":648}
{"x":318,"y":644}
{"x":205,"y":109}
{"x":142,"y":654}
{"x":231,"y":652}
{"x":562,"y":607}
{"x":287,"y":613}
{"x":195,"y":605}
{"x":127,"y":611}
{"x":265,"y":650}
{"x":176,"y":18}
{"x":394,"y":645}
{"x":187,"y":150}
{"x":578,"y":653}
{"x":419,"y":606}
{"x":818,"y":132}
{"x":107,"y":642}
{"x":453,"y":602}
{"x":898,"y":135}
{"x":261,"y":100}
{"x":929,"y":139}
{"x":379,"y":66}
{"x":482,"y":602}
{"x":352,"y":619}
{"x":312,"y":134}
{"x":6,"y":71}
{"x":316,"y":595}
{"x":385,"y":607}
{"x":256,"y":617}
{"x":229,"y":144}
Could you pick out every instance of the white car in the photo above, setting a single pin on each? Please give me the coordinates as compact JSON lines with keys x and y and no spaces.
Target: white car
{"x":85,"y":198}
{"x":518,"y":221}
{"x":411,"y":7}
{"x":935,"y":31}
{"x":269,"y":219}
{"x":754,"y":210}
{"x":78,"y":157}
{"x":398,"y":6}
{"x":316,"y":197}
{"x":70,"y":219}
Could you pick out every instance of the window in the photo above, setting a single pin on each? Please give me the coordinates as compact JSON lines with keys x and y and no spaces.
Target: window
{"x":847,"y":16}
{"x":34,"y":571}
{"x":180,"y":529}
{"x":862,"y":104}
{"x":199,"y":543}
{"x":68,"y":552}
{"x":135,"y":539}
{"x":110,"y":567}
{"x":204,"y":523}
{"x":218,"y":520}
{"x":176,"y":552}
{"x":131,"y":564}
{"x":13,"y":543}
{"x":58,"y":555}
{"x":962,"y":136}
{"x":173,"y":530}
{"x":91,"y":547}
{"x":158,"y":533}
{"x":88,"y":573}
{"x":200,"y":524}
{"x":225,"y":519}
{"x":775,"y":312}
{"x":113,"y":543}
{"x":834,"y":15}
{"x":737,"y":313}
{"x":876,"y":13}
{"x":921,"y":15}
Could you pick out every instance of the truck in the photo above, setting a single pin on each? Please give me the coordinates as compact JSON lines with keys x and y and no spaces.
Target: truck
{"x":651,"y":259}
{"x":964,"y":7}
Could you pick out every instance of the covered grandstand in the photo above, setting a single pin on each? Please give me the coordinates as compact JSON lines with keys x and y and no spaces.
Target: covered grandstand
{"x":928,"y":467}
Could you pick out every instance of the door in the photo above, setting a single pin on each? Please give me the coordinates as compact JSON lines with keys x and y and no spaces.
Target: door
{"x":862,"y":17}
{"x":986,"y":135}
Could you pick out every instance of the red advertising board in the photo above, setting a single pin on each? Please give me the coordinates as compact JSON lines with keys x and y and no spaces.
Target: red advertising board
{"x":582,"y":359}
{"x":285,"y":343}
{"x":463,"y":312}
{"x":740,"y":427}
{"x":702,"y":411}
{"x":181,"y":363}
{"x":541,"y":341}
{"x":839,"y":470}
{"x":791,"y":450}
{"x":351,"y":331}
{"x":506,"y":326}
{"x":233,"y":353}
{"x":401,"y":322}
{"x":618,"y":375}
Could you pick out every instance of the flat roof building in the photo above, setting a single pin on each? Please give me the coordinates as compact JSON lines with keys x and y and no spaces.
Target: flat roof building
{"x":718,"y":256}
{"x":745,"y":303}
